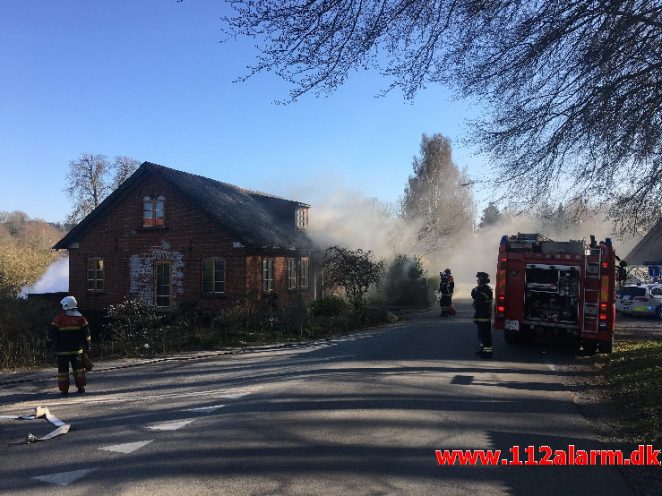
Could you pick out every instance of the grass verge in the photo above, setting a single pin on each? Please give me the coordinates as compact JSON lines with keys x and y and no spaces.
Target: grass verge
{"x":633,"y":376}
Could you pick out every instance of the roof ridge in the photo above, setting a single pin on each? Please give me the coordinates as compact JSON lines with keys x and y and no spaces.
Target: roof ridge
{"x":234,"y":186}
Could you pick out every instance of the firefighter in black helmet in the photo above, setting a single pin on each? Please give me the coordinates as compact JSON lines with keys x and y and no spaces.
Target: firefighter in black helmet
{"x":446,"y":287}
{"x":482,"y":296}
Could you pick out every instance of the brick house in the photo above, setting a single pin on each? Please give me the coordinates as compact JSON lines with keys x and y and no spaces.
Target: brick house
{"x":172,"y":238}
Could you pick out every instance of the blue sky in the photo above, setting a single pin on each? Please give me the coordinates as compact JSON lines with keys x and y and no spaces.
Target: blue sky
{"x":150,"y":80}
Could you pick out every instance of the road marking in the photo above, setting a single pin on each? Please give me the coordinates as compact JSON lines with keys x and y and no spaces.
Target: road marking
{"x":170,"y":426}
{"x":127,"y":447}
{"x":127,"y":397}
{"x":235,"y":396}
{"x":204,"y":409}
{"x":64,"y":478}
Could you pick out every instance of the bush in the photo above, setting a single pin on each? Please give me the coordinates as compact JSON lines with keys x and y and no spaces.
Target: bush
{"x":23,"y":330}
{"x":405,"y":284}
{"x":329,"y":306}
{"x":135,"y":328}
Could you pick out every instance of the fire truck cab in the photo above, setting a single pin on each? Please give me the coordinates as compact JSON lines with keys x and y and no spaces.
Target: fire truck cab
{"x":558,"y":288}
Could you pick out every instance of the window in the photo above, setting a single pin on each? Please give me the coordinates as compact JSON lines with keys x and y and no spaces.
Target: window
{"x":95,"y":275}
{"x":304,"y":272}
{"x":291,"y":273}
{"x":267,"y":274}
{"x":213,"y":275}
{"x":153,"y":211}
{"x":163,"y":284}
{"x":301,"y":218}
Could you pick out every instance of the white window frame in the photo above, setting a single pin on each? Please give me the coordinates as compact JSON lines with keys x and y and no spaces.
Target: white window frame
{"x":96,"y":274}
{"x":213,"y":261}
{"x":291,"y":273}
{"x":157,"y":295}
{"x":267,"y":274}
{"x":305,"y":266}
{"x":301,"y":218}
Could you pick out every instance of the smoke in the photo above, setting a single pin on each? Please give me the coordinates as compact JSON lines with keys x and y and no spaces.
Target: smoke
{"x":354,"y":221}
{"x":55,"y":279}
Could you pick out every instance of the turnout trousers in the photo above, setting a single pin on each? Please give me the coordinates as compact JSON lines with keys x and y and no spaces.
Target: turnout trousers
{"x":485,"y":335}
{"x":63,"y":362}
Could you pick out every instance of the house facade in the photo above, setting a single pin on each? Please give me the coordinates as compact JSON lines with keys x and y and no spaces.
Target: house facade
{"x":171,"y":238}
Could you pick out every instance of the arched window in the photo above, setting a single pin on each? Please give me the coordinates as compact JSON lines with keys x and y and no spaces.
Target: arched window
{"x":153,"y":211}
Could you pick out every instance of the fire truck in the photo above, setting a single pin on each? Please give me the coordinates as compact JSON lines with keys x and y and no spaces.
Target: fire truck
{"x":556,"y":288}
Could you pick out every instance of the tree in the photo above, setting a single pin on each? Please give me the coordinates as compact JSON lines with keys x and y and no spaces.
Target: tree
{"x":25,"y":251}
{"x":124,"y":167}
{"x":491,"y":215}
{"x":436,"y":196}
{"x":572,"y":88}
{"x":91,"y":179}
{"x":354,"y":271}
{"x":404,"y":282}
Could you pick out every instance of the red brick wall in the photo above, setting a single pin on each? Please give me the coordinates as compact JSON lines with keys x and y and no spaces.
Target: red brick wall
{"x":189,"y":236}
{"x":286,"y":297}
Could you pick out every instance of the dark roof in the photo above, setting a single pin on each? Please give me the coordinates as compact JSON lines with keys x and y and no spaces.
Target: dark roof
{"x":257,"y":220}
{"x":649,"y":250}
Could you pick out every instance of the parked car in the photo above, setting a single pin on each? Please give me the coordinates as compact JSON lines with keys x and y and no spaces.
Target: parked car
{"x":640,"y":299}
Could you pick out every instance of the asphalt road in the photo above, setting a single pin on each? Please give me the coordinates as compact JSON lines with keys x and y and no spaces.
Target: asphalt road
{"x":359,"y":415}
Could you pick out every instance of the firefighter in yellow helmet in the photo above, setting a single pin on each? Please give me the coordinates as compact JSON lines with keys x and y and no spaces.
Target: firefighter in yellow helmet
{"x":69,"y":334}
{"x":482,"y":295}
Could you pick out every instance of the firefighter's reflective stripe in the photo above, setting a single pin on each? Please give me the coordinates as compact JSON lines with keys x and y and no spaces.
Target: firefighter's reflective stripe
{"x":65,"y":353}
{"x":482,"y":320}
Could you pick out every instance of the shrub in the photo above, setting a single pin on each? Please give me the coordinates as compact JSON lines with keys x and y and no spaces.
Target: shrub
{"x":329,"y":306}
{"x":23,"y":329}
{"x":405,"y":283}
{"x":135,"y":328}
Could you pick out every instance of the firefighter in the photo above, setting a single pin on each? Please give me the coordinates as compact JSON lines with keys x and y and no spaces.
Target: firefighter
{"x":69,"y":334}
{"x":446,"y":286}
{"x":621,"y":274}
{"x":482,"y":296}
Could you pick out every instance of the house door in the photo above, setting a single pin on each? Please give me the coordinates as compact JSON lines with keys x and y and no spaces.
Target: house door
{"x":163,"y":283}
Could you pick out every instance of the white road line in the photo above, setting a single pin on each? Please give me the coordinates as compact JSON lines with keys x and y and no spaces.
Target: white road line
{"x":64,"y":478}
{"x":235,"y":396}
{"x":127,"y":397}
{"x":204,"y":409}
{"x":126,"y":447}
{"x":170,"y":426}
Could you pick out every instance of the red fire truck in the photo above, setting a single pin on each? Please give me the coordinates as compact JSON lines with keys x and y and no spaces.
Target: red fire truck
{"x":556,"y":287}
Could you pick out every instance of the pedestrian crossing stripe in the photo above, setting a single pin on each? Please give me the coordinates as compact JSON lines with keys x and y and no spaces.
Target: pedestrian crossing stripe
{"x":126,"y":447}
{"x":170,"y":426}
{"x":64,"y":478}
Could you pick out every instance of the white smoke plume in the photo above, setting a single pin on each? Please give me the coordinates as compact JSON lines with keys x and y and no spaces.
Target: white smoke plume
{"x":55,"y":279}
{"x":354,"y":221}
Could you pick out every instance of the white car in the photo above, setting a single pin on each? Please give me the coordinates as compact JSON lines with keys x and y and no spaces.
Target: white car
{"x":640,"y":299}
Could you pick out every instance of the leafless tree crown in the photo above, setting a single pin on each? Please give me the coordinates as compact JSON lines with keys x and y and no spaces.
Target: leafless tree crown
{"x":574,"y":88}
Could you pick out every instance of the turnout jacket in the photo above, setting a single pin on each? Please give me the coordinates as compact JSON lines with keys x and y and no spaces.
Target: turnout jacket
{"x":70,"y":333}
{"x":482,"y":296}
{"x":447,"y":285}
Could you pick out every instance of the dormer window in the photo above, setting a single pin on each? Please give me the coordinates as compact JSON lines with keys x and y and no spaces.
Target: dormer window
{"x":153,"y":211}
{"x":301,"y":218}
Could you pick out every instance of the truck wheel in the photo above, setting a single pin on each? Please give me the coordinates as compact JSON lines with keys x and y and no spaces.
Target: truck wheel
{"x":510,"y":337}
{"x":590,"y":347}
{"x":606,"y":346}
